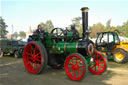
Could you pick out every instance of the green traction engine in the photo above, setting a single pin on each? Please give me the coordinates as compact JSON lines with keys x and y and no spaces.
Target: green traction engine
{"x":65,"y":48}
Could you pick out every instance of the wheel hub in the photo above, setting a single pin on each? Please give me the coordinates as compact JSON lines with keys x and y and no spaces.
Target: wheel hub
{"x":119,"y":55}
{"x":97,"y":62}
{"x":75,"y":67}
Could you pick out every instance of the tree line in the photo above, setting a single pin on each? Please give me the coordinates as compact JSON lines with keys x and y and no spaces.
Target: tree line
{"x":95,"y":28}
{"x":47,"y":26}
{"x":99,"y":27}
{"x":4,"y":31}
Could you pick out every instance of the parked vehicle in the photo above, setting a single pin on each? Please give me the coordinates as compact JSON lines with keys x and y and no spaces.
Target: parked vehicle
{"x":12,"y":47}
{"x":110,"y":45}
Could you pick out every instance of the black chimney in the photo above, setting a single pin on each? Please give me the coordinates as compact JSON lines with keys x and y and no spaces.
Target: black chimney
{"x":85,"y":22}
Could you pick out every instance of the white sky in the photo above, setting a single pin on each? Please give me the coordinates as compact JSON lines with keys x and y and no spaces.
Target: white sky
{"x":25,"y":13}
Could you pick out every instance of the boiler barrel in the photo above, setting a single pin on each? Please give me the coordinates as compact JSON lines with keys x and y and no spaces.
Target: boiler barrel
{"x":83,"y":47}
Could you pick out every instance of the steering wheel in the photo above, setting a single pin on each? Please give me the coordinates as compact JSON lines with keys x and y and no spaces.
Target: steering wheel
{"x":58,"y":33}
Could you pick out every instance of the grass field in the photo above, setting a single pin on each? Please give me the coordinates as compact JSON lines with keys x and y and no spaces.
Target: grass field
{"x":13,"y":72}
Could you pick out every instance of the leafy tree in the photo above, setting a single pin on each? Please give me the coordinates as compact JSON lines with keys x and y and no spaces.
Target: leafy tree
{"x":78,"y":25}
{"x":119,"y":28}
{"x":112,"y":29}
{"x":96,"y":28}
{"x":124,"y":29}
{"x":43,"y":25}
{"x":48,"y":26}
{"x":22,"y":34}
{"x":3,"y":26}
{"x":76,"y":20}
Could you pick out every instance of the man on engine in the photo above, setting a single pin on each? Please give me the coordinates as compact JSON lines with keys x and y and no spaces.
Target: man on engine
{"x":39,"y":30}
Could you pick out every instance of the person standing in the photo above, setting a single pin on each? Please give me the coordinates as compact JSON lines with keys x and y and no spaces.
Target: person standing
{"x":29,"y":39}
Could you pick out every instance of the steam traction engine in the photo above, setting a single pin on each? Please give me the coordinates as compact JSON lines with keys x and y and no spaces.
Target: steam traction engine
{"x":62,"y":47}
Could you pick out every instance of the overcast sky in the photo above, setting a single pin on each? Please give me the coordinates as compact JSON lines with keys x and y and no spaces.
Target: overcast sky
{"x":25,"y":13}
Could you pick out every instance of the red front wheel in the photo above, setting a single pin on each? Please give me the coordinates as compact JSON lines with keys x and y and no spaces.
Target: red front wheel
{"x":35,"y":57}
{"x":75,"y":67}
{"x":98,"y":63}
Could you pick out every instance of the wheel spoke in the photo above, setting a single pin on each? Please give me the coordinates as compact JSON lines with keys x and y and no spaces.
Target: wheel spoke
{"x":61,"y":33}
{"x":97,"y":57}
{"x":71,"y":63}
{"x":74,"y":74}
{"x":95,"y":68}
{"x":76,"y":60}
{"x":78,"y":73}
{"x":31,"y":49}
{"x":33,"y":67}
{"x":38,"y":66}
{"x":28,"y":62}
{"x":79,"y":62}
{"x":79,"y":70}
{"x":100,"y":58}
{"x":70,"y":67}
{"x":35,"y":50}
{"x":37,"y":54}
{"x":101,"y":62}
{"x":27,"y":53}
{"x":81,"y":66}
{"x":29,"y":58}
{"x":101,"y":66}
{"x":37,"y":59}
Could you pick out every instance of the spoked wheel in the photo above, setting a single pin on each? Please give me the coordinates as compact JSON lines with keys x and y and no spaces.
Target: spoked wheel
{"x":35,"y":57}
{"x":98,"y":64}
{"x":75,"y":67}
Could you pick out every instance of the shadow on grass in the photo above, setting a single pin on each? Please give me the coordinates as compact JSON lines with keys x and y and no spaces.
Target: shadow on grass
{"x":90,"y":79}
{"x":18,"y":75}
{"x":113,"y":64}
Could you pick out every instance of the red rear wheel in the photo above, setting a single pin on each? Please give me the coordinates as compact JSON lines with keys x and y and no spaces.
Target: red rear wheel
{"x":35,"y":57}
{"x":75,"y":67}
{"x":99,"y":64}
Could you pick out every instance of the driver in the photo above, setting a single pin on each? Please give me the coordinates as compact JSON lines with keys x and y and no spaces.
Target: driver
{"x":75,"y":32}
{"x":39,"y":30}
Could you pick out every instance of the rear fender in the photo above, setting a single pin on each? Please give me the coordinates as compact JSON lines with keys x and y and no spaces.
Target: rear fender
{"x":121,"y":47}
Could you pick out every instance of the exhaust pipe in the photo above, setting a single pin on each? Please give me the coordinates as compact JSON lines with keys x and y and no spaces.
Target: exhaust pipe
{"x":85,"y":22}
